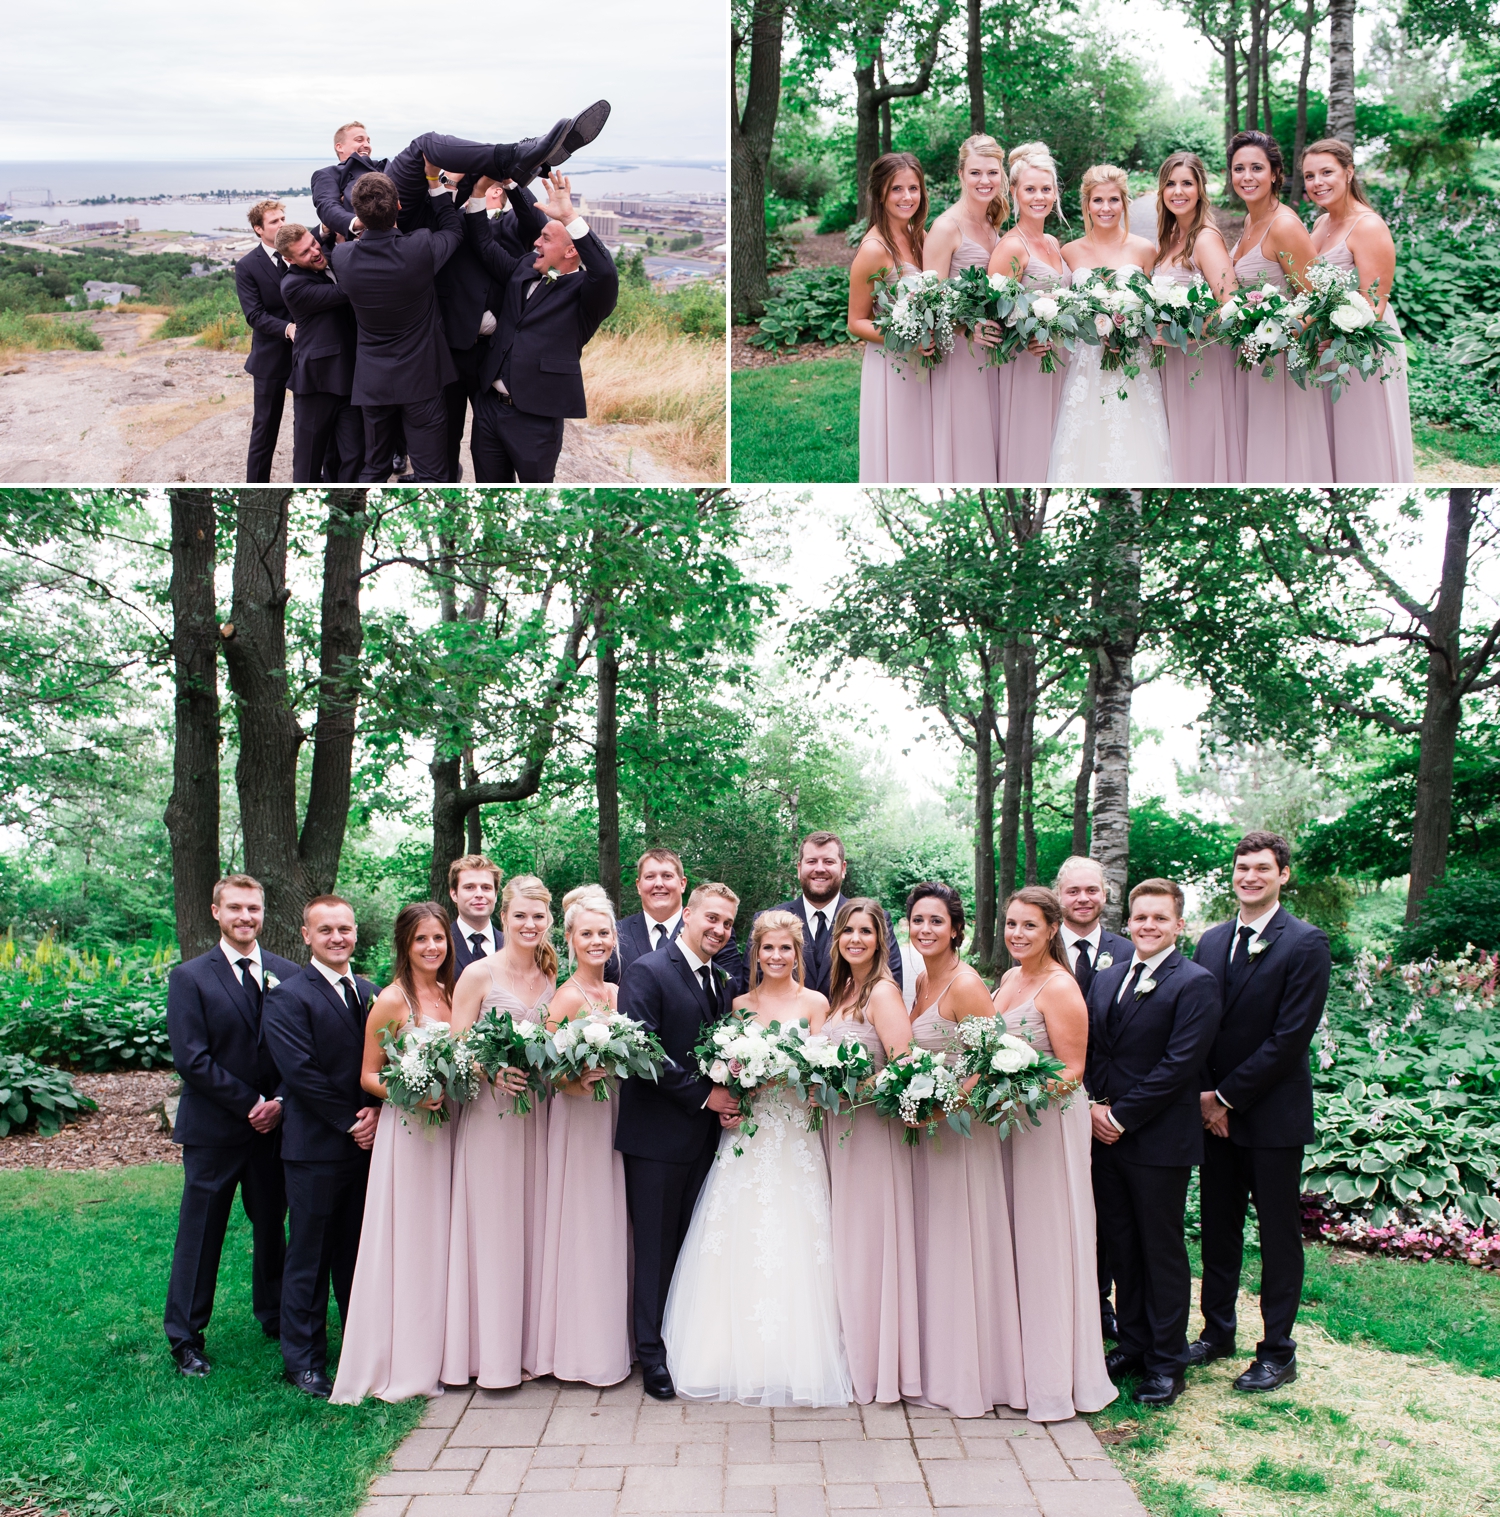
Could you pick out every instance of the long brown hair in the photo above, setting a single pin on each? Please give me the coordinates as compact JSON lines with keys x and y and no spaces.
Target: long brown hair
{"x":776,"y":921}
{"x":1340,"y":150}
{"x":1166,"y":223}
{"x":404,"y":934}
{"x":882,"y":172}
{"x":1047,"y":903}
{"x":529,"y":888}
{"x":840,"y":975}
{"x":982,"y":145}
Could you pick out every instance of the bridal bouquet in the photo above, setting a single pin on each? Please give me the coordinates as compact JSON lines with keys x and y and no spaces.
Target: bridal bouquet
{"x":1184,"y":312}
{"x":1338,"y":314}
{"x":1015,"y":1079}
{"x":1259,"y":323}
{"x":425,"y":1062}
{"x":617,"y":1044}
{"x":916,"y":1089}
{"x":825,"y":1073}
{"x":497,"y":1042}
{"x":741,"y":1055}
{"x":915,"y":312}
{"x":1123,"y":309}
{"x":1048,"y":318}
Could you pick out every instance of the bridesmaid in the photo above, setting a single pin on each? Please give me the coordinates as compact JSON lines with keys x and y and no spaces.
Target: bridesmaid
{"x":393,"y":1340}
{"x":1026,"y":400}
{"x":874,"y":1236}
{"x":963,"y":385}
{"x":1369,"y":425}
{"x":583,"y":1330}
{"x":1198,"y":387}
{"x":500,"y":1164}
{"x":1047,"y":1175}
{"x":967,"y":1304}
{"x":895,"y":406}
{"x":1284,"y":428}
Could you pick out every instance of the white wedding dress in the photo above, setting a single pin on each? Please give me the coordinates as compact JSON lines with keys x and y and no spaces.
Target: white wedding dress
{"x":752,"y":1314}
{"x":1101,"y":439}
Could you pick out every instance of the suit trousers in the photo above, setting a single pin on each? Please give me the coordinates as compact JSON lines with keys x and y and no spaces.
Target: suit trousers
{"x":1272,"y":1178}
{"x":328,"y":439}
{"x":209,"y":1178}
{"x":326,"y":1200}
{"x":265,"y":428}
{"x":1140,"y":1209}
{"x":456,"y":399}
{"x":510,"y":445}
{"x":659,"y":1197}
{"x":425,"y":425}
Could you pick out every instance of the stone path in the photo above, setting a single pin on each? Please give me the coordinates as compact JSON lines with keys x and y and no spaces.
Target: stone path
{"x":549,"y":1450}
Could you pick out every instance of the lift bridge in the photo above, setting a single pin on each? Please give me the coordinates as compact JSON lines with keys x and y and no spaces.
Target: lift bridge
{"x":33,"y":195}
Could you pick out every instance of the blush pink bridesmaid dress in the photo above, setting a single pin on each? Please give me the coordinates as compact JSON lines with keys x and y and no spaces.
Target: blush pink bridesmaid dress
{"x":895,"y":418}
{"x":1369,"y":425}
{"x":1198,"y":390}
{"x":1026,"y":400}
{"x":963,"y":399}
{"x":874,"y":1242}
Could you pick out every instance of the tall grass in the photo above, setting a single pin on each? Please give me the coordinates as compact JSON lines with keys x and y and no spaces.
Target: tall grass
{"x":215,"y":319}
{"x":33,"y":334}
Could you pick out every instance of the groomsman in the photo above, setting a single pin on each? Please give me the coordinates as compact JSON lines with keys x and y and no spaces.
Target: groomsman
{"x":668,"y":1130}
{"x":821,"y":868}
{"x":1273,"y":971}
{"x":1151,"y":1020}
{"x":227,"y":1120}
{"x":331,"y":185}
{"x":257,"y":282}
{"x":1090,"y":947}
{"x":661,"y":882}
{"x":474,"y":888}
{"x":315,"y":1026}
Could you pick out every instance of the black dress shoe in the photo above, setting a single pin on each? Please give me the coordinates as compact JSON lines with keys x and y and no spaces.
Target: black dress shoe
{"x":658,"y":1383}
{"x":311,"y":1383}
{"x":1159,"y":1390}
{"x":1201,"y":1351}
{"x":1107,"y":1324}
{"x":585,"y":126}
{"x":1265,"y":1376}
{"x":190,"y":1362}
{"x":524,"y":161}
{"x":1119,"y":1362}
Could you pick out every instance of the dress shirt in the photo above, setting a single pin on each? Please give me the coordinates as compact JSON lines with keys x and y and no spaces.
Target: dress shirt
{"x":1152,"y":964}
{"x":487,"y":932}
{"x":269,"y":249}
{"x":234,"y":954}
{"x":336,"y":978}
{"x":1071,"y":940}
{"x":830,"y":910}
{"x":670,"y":924}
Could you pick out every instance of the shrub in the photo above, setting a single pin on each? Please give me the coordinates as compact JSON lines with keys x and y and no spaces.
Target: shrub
{"x":809,"y":305}
{"x":216,"y":314}
{"x":1460,"y":910}
{"x":32,"y":1094}
{"x":43,"y":333}
{"x":838,"y":214}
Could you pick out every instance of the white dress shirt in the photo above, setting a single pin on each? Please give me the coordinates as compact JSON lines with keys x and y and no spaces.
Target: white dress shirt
{"x":830,"y":910}
{"x":269,"y":249}
{"x":1152,"y":965}
{"x":670,"y":923}
{"x":234,"y":954}
{"x":487,"y":932}
{"x":335,"y":977}
{"x":1257,"y":932}
{"x":1071,"y":940}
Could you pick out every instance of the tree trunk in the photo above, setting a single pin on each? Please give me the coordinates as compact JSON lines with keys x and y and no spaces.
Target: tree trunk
{"x":448,"y":814}
{"x":1019,"y":660}
{"x":885,"y":109}
{"x":984,"y":835}
{"x":1299,"y":142}
{"x":1265,"y":78}
{"x":751,"y":133}
{"x":473,"y":819}
{"x":192,"y":815}
{"x":649,"y":823}
{"x":870,"y":96}
{"x":975,"y":72}
{"x":1084,"y":782}
{"x":1253,"y":65}
{"x":1231,"y":88}
{"x":1028,"y":754}
{"x":1441,"y":711}
{"x":607,"y":763}
{"x":1341,"y":70}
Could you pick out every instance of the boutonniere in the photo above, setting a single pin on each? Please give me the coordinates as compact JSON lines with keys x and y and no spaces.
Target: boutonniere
{"x":271,"y":982}
{"x":1144,"y":986}
{"x":550,"y":275}
{"x":1258,"y":946}
{"x":1104,"y":961}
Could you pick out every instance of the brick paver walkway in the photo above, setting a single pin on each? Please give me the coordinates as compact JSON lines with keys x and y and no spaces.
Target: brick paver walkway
{"x":550,"y":1450}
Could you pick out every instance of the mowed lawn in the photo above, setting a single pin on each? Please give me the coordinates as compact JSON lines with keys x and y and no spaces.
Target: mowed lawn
{"x":797,"y":423}
{"x":94,"y":1416}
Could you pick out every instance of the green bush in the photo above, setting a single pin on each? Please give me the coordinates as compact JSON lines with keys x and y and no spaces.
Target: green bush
{"x":218,"y":309}
{"x":695,"y":310}
{"x":32,"y":1094}
{"x":808,"y":305}
{"x":45,"y":332}
{"x":1446,"y":389}
{"x":837,"y":213}
{"x":1461,"y":909}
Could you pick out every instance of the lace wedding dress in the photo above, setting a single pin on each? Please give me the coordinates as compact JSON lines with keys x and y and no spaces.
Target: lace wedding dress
{"x":1101,"y":439}
{"x":752,"y":1315}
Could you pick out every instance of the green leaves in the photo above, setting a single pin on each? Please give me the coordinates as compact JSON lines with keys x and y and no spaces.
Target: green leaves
{"x":809,"y":305}
{"x":32,"y":1094}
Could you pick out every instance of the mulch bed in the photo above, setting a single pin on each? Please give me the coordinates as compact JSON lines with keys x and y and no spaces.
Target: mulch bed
{"x":743,"y":356}
{"x":127,"y":1129}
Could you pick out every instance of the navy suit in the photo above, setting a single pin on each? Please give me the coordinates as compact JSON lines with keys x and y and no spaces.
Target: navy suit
{"x":214,"y":1024}
{"x":1273,"y":1002}
{"x":815,"y":955}
{"x":463,"y":950}
{"x":257,"y":282}
{"x":331,"y":187}
{"x":322,"y":380}
{"x":318,"y":1043}
{"x":667,"y":1136}
{"x":636,"y":936}
{"x":1144,"y":1058}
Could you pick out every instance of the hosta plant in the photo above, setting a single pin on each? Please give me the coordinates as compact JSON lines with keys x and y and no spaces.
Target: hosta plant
{"x":34,"y":1094}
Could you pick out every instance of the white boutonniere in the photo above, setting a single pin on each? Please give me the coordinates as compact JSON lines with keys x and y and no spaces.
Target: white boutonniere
{"x":1144,"y":986}
{"x":1258,"y":946}
{"x":271,"y":981}
{"x":550,"y":275}
{"x":1104,"y":961}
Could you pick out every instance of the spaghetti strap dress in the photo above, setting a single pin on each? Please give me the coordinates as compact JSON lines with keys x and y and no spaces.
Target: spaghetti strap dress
{"x":1027,"y":400}
{"x":1198,"y":390}
{"x":964,"y":386}
{"x":895,"y":417}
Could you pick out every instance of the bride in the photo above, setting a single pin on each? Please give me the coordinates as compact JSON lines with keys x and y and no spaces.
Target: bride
{"x":1100,"y":438}
{"x":752,"y":1313}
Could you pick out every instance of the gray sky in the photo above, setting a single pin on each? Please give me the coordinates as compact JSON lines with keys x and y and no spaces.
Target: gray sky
{"x":160,"y":80}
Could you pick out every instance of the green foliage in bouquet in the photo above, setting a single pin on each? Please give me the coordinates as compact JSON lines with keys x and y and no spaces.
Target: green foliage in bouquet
{"x":497,"y":1041}
{"x":33,"y":1094}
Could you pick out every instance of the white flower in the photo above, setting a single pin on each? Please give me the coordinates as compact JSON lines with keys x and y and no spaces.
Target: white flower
{"x":1353,"y":314}
{"x":1265,"y":333}
{"x":565,"y":1037}
{"x":1229,"y":311}
{"x":525,"y":1029}
{"x":271,"y":981}
{"x":1103,"y":325}
{"x":1144,"y":987}
{"x":920,"y":1087}
{"x":1104,"y":961}
{"x":901,"y":311}
{"x":1122,"y":277}
{"x":1258,"y":946}
{"x":596,"y":1034}
{"x":1173,"y":294}
{"x":1044,"y":308}
{"x":999,"y":281}
{"x":718,"y":1072}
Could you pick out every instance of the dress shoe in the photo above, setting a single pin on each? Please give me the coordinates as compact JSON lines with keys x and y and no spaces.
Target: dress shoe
{"x":658,"y":1383}
{"x":1265,"y":1376}
{"x":1201,"y":1351}
{"x":582,"y":130}
{"x":190,"y":1362}
{"x":1159,"y":1390}
{"x":311,"y":1383}
{"x":1107,"y":1324}
{"x":524,"y":161}
{"x":1119,"y":1362}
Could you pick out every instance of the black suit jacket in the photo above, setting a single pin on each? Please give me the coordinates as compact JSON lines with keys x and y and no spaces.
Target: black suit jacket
{"x":1149,"y":1071}
{"x":539,"y":346}
{"x":815,"y":955}
{"x":218,"y":1048}
{"x":635,"y":937}
{"x":465,"y":287}
{"x":319,"y":1046}
{"x":323,"y":352}
{"x":1259,"y":1062}
{"x":257,"y":282}
{"x":666,"y":1120}
{"x":390,"y":278}
{"x":1115,"y":946}
{"x":331,"y":187}
{"x":463,"y":953}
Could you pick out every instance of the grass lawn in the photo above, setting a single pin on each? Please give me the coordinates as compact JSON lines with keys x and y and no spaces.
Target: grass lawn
{"x":93,"y":1415}
{"x":1481,"y":450}
{"x":797,"y":423}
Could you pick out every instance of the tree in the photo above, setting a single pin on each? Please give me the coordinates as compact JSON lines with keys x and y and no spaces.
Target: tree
{"x":1299,"y":142}
{"x":752,"y":128}
{"x":974,"y":68}
{"x":1341,"y":70}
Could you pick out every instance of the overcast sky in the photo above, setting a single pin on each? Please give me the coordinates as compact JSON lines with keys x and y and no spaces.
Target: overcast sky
{"x":160,"y":80}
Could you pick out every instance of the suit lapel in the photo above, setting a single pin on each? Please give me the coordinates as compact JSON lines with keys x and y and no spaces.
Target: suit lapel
{"x":339,"y":1003}
{"x":1157,"y":975}
{"x":684,"y":969}
{"x":1269,"y":937}
{"x":244,"y":997}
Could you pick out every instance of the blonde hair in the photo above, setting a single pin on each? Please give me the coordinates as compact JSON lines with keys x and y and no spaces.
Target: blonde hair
{"x":578,"y":902}
{"x":527,"y":887}
{"x":840,"y":975}
{"x":982,"y":145}
{"x":1104,"y":173}
{"x":713,"y":887}
{"x":776,"y":921}
{"x":1035,"y":155}
{"x":345,"y":129}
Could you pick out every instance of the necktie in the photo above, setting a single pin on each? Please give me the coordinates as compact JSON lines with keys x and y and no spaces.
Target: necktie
{"x":1123,"y":1001}
{"x":1083,"y":968}
{"x":476,"y":942}
{"x":280,"y":263}
{"x":252,"y":985}
{"x":351,"y":996}
{"x":821,"y":926}
{"x":706,"y":975}
{"x":660,"y":929}
{"x":1239,"y":955}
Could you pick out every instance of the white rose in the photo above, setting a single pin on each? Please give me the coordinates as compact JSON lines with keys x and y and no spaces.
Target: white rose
{"x":921,"y":1087}
{"x":526,"y":1030}
{"x":742,"y":1048}
{"x":564,"y":1038}
{"x":1229,"y":311}
{"x":718,"y":1072}
{"x":1350,"y":317}
{"x":1103,"y":325}
{"x":901,"y":311}
{"x":1044,"y":308}
{"x":999,"y":281}
{"x":1266,"y":332}
{"x":596,"y":1034}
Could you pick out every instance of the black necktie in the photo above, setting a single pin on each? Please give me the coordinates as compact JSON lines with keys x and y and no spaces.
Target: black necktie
{"x":1239,"y":955}
{"x":351,"y":995}
{"x":821,"y":926}
{"x":706,"y":976}
{"x":280,"y":263}
{"x":476,"y":942}
{"x":1121,"y":1003}
{"x":660,"y":930}
{"x":248,"y":980}
{"x":1083,"y":968}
